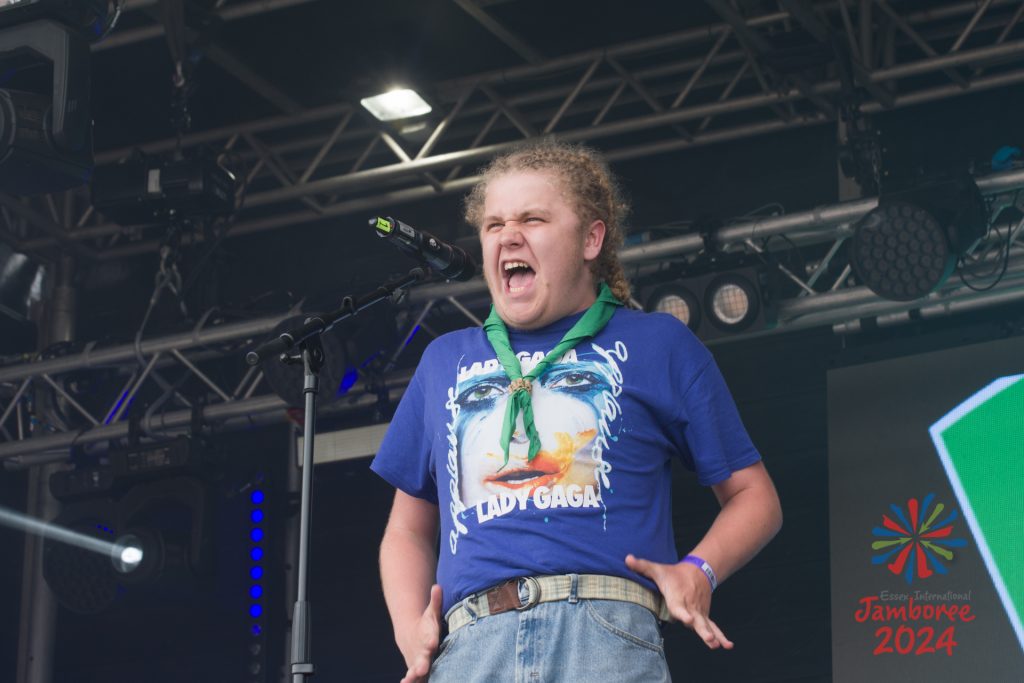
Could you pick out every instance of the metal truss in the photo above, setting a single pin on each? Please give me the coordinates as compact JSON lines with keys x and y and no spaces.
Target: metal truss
{"x":240,"y":9}
{"x":149,"y":363}
{"x":823,"y":297}
{"x":691,"y":88}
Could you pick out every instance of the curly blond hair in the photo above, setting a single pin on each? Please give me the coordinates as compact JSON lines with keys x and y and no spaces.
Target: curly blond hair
{"x":591,"y":186}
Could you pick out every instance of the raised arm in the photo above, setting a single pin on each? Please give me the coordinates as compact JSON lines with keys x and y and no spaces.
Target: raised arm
{"x":408,"y":564}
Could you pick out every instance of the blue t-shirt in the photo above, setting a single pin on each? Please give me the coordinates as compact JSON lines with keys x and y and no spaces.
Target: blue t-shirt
{"x":611,"y":413}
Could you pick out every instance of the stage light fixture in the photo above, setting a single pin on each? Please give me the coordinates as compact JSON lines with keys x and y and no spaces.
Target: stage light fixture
{"x":714,"y":305}
{"x":901,"y":253}
{"x":732,"y":302}
{"x":46,"y":129}
{"x":397,"y":104}
{"x":142,"y":553}
{"x":154,"y":189}
{"x":257,"y":618}
{"x":83,"y":581}
{"x":149,"y":504}
{"x":127,"y":554}
{"x":677,"y":301}
{"x":908,"y":246}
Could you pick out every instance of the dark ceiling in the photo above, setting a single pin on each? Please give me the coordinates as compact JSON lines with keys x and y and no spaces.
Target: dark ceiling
{"x":318,"y":52}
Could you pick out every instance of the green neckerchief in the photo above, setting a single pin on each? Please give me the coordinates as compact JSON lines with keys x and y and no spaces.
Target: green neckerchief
{"x":592,"y":322}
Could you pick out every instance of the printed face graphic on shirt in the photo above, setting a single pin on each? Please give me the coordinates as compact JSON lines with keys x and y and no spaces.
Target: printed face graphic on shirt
{"x":567,"y":409}
{"x":576,"y":411}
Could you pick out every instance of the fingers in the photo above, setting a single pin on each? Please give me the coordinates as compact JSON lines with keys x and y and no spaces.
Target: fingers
{"x":683,"y":601}
{"x":430,"y":628}
{"x":697,"y":623}
{"x":641,"y":566}
{"x":435,"y":601}
{"x":704,"y":627}
{"x":418,"y":672}
{"x":430,"y":623}
{"x":726,"y":643}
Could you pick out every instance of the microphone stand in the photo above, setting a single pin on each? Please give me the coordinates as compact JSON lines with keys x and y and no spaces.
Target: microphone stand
{"x":307,"y":338}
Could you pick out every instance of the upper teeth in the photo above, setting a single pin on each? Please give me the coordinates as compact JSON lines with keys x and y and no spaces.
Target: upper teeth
{"x":515,"y":264}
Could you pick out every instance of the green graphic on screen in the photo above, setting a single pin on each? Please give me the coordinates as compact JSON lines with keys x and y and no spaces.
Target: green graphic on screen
{"x":981,"y":444}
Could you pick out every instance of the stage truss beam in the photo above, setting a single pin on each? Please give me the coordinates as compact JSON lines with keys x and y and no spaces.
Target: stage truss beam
{"x":821,"y":300}
{"x":590,"y":96}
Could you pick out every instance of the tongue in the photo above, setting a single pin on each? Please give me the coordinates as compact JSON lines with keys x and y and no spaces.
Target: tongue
{"x":520,"y":278}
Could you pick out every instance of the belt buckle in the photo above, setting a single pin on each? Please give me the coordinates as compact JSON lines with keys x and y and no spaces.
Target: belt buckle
{"x":533,"y":593}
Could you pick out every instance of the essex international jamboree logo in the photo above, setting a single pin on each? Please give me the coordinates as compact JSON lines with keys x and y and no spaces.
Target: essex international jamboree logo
{"x":916,"y":544}
{"x":918,"y":541}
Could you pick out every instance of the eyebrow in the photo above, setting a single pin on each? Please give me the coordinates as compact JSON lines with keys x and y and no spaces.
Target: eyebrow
{"x":518,"y":216}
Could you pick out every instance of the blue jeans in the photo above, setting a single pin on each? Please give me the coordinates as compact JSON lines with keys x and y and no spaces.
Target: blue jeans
{"x":556,"y":642}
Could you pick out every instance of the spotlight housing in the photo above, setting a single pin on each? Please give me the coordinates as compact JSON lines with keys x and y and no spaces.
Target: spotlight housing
{"x":908,"y":246}
{"x":718,"y":304}
{"x":45,"y":137}
{"x":732,"y":302}
{"x":677,"y":301}
{"x":83,"y":580}
{"x":159,"y":530}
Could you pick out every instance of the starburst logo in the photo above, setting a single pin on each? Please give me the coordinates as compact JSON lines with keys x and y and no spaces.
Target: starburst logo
{"x":913,"y":544}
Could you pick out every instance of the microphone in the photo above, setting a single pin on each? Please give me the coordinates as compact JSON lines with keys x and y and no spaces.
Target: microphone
{"x":449,"y":260}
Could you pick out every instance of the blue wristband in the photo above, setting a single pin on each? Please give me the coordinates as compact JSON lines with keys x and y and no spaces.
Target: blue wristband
{"x":704,"y":567}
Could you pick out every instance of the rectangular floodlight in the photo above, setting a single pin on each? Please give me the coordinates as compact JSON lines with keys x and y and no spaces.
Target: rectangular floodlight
{"x":396,"y":105}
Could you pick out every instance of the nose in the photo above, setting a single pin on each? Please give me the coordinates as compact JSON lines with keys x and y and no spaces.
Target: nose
{"x":511,"y":235}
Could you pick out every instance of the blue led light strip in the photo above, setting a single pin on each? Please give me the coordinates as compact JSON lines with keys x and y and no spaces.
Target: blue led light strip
{"x":256,"y":517}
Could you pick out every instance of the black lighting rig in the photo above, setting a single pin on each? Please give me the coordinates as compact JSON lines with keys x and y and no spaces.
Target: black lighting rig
{"x":156,"y":494}
{"x":45,"y":120}
{"x":193,"y":195}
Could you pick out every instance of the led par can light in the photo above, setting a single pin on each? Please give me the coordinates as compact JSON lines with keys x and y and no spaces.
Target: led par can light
{"x":909,"y":245}
{"x":901,"y":252}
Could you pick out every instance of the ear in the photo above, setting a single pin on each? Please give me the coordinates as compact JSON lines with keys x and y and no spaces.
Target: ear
{"x":593,"y":240}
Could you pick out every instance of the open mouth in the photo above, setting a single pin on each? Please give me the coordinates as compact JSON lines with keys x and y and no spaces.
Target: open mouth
{"x":521,"y":478}
{"x":541,"y":472}
{"x":518,"y":276}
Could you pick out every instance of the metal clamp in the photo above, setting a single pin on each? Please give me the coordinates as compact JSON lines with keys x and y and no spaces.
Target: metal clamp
{"x":533,"y":593}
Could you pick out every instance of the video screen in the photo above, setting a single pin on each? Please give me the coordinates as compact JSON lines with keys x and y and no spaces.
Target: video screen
{"x":926,"y":500}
